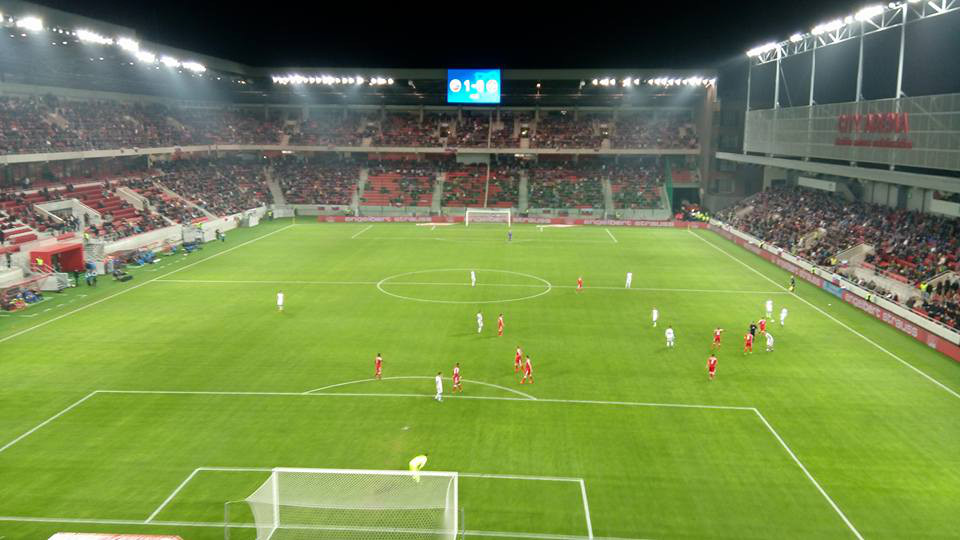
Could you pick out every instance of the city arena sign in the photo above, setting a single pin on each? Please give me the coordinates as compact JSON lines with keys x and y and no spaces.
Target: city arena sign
{"x":878,"y":130}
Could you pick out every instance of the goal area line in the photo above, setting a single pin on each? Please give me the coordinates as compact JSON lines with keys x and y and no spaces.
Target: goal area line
{"x":756,"y":412}
{"x":578,"y":482}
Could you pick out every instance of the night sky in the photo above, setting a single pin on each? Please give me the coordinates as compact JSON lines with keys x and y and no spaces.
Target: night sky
{"x":487,"y":34}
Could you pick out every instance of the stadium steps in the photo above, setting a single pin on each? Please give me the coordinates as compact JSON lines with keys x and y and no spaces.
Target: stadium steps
{"x":438,"y":193}
{"x":523,"y":200}
{"x":362,"y":180}
{"x":173,"y":194}
{"x":607,"y":197}
{"x":274,"y":186}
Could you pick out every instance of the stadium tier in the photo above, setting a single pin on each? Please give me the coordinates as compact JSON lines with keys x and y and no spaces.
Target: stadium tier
{"x":246,"y":302}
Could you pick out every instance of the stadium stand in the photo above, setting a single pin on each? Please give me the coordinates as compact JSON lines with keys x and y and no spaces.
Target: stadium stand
{"x":473,"y":130}
{"x":654,"y":130}
{"x":221,"y":187}
{"x":636,"y":185}
{"x":399,"y":184}
{"x":564,"y":185}
{"x":316,"y":181}
{"x":818,"y":225}
{"x":559,"y":129}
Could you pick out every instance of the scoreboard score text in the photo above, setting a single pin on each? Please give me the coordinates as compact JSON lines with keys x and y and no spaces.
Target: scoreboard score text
{"x":473,"y":86}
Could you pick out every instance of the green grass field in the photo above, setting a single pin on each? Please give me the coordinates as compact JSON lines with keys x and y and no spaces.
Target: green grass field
{"x":112,"y":400}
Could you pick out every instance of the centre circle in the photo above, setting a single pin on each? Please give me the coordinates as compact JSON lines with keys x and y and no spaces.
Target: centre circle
{"x":455,"y":284}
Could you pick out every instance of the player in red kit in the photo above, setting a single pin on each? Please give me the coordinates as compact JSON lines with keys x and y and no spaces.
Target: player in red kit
{"x":500,"y":325}
{"x":580,"y":283}
{"x":762,"y":323}
{"x":527,"y":371}
{"x":712,"y":366}
{"x":378,"y":365}
{"x":716,"y":338}
{"x":517,"y":360}
{"x":457,"y":387}
{"x":748,"y":343}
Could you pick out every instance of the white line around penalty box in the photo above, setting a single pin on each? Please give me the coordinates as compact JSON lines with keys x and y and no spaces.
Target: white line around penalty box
{"x":581,"y":485}
{"x":754,"y":410}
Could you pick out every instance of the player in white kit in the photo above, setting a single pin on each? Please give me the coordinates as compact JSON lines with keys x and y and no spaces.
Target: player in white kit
{"x":479,"y":322}
{"x":439,"y":381}
{"x":769,"y":306}
{"x":655,"y":314}
{"x":769,"y":342}
{"x":629,"y":279}
{"x":473,"y":278}
{"x":783,"y":316}
{"x":670,"y":336}
{"x":280,"y":301}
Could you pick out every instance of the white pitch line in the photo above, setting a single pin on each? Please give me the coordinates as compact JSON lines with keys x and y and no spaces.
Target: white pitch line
{"x":834,"y":319}
{"x":376,"y":394}
{"x":612,"y":237}
{"x":367,"y":228}
{"x":808,"y":475}
{"x":47,"y":421}
{"x":135,"y":287}
{"x":172,"y":495}
{"x":401,"y":283}
{"x":586,"y":508}
{"x":504,"y":388}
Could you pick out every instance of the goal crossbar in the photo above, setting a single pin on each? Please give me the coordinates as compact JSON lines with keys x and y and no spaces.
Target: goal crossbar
{"x":359,"y":503}
{"x":488,"y":215}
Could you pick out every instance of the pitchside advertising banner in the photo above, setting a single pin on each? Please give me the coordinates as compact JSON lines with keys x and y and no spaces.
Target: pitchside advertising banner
{"x":917,"y":131}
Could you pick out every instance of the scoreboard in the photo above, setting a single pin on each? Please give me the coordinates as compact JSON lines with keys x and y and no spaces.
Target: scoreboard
{"x":473,"y":86}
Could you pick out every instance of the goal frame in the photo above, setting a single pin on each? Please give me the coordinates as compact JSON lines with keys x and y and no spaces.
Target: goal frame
{"x":453,"y":500}
{"x":488,"y":212}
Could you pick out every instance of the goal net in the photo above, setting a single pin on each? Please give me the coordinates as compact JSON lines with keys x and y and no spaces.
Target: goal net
{"x":488,"y":215}
{"x":300,"y":504}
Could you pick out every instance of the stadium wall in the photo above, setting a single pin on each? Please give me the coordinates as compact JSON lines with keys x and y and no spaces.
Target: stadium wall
{"x":925,"y":330}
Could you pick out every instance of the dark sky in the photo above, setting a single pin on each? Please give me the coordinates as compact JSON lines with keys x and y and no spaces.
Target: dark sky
{"x":506,"y":35}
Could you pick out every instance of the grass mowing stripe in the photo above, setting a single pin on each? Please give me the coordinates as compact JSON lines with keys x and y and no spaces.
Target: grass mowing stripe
{"x":91,"y":304}
{"x":832,"y":318}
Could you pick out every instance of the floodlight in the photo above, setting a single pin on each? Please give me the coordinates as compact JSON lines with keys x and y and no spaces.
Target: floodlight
{"x":128,"y":44}
{"x":169,"y":61}
{"x":88,"y":36}
{"x":147,"y":57}
{"x":594,"y":82}
{"x":195,"y":67}
{"x":360,"y":80}
{"x":823,"y":28}
{"x":796,"y":38}
{"x":869,"y":12}
{"x":30,"y":23}
{"x":389,"y":81}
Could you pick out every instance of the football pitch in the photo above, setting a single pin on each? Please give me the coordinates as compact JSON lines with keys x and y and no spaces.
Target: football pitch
{"x":144,"y":407}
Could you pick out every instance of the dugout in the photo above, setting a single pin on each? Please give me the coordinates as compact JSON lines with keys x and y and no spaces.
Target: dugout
{"x":65,"y":257}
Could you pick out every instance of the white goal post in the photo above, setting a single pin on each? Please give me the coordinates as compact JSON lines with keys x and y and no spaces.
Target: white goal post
{"x":301,"y":504}
{"x":488,"y":215}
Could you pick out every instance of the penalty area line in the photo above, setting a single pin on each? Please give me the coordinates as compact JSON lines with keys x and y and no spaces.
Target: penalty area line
{"x":367,"y":228}
{"x":612,"y":237}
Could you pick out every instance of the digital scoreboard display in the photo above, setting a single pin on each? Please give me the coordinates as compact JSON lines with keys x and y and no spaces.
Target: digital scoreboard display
{"x":473,"y":86}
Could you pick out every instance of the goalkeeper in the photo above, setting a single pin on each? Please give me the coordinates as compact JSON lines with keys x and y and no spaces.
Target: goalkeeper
{"x":416,"y":464}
